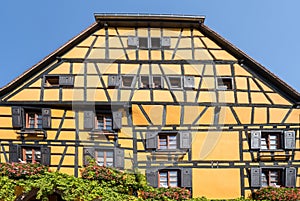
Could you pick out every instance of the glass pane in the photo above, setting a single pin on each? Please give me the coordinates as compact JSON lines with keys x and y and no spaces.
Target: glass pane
{"x":127,"y":81}
{"x":100,"y":123}
{"x":263,"y":143}
{"x":108,"y":123}
{"x":175,"y":82}
{"x":143,"y":43}
{"x":39,"y":121}
{"x":155,"y":43}
{"x":145,"y":82}
{"x":157,"y":82}
{"x":264,"y":181}
{"x":109,"y":154}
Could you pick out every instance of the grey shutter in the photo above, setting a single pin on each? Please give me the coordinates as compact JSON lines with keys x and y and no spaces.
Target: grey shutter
{"x":66,"y":80}
{"x":46,"y":118}
{"x":290,"y":177}
{"x":165,"y":42}
{"x":132,"y":41}
{"x":17,"y":117}
{"x":186,"y":177}
{"x":89,"y":119}
{"x":255,"y":177}
{"x":189,"y":82}
{"x":151,"y":140}
{"x":14,"y":153}
{"x":152,"y":177}
{"x":289,"y":139}
{"x":117,"y":120}
{"x":46,"y":155}
{"x":184,"y":140}
{"x":88,"y":153}
{"x":114,"y":80}
{"x":255,"y":139}
{"x":119,"y":158}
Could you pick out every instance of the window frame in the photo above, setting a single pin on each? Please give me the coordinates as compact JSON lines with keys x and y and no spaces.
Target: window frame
{"x":224,"y":86}
{"x":49,"y":85}
{"x":267,"y":136}
{"x":168,"y":171}
{"x":105,"y":117}
{"x":105,"y":157}
{"x":267,"y":172}
{"x":175,"y":77}
{"x":37,"y":117}
{"x":33,"y":154}
{"x":167,"y":135}
{"x":125,"y":77}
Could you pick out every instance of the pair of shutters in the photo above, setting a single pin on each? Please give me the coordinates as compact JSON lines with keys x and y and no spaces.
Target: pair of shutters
{"x":289,"y":140}
{"x":89,"y":120}
{"x":15,"y":153}
{"x":118,"y":156}
{"x":135,"y":42}
{"x":184,"y":177}
{"x":183,"y":137}
{"x":18,"y":117}
{"x":290,"y":177}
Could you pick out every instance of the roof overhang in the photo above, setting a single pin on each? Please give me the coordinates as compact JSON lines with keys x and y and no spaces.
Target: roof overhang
{"x":153,"y":20}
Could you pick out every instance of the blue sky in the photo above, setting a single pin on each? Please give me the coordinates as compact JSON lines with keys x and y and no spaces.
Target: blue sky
{"x":266,"y":30}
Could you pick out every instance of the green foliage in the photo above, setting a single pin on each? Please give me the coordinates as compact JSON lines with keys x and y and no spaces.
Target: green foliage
{"x":277,"y":194}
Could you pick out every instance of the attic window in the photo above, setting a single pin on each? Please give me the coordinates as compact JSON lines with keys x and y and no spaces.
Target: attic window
{"x":224,"y":83}
{"x":175,"y":82}
{"x":143,"y":43}
{"x":52,"y":81}
{"x":148,"y":42}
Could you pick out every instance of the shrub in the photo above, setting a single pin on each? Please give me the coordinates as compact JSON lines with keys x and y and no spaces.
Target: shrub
{"x":277,"y":194}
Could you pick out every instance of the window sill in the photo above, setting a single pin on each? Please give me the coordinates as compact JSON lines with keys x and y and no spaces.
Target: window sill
{"x":33,"y":132}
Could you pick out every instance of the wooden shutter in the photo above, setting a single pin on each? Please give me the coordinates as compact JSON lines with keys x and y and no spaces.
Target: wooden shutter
{"x":132,"y":41}
{"x":151,"y":140}
{"x":255,"y":139}
{"x":88,"y":153}
{"x":152,"y":177}
{"x":166,"y":42}
{"x":186,"y":177}
{"x":46,"y":155}
{"x":17,"y":117}
{"x":290,"y":177}
{"x":184,"y":139}
{"x":114,"y":80}
{"x":14,"y":153}
{"x":119,"y":158}
{"x":289,"y":139}
{"x":255,"y":177}
{"x":66,"y":80}
{"x":117,"y":120}
{"x":46,"y":118}
{"x":89,"y":120}
{"x":189,"y":82}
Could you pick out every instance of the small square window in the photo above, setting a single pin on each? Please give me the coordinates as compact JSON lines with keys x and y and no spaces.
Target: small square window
{"x":34,"y":119}
{"x":224,"y":83}
{"x":167,"y":141}
{"x":155,"y":43}
{"x":51,"y":81}
{"x":168,"y":178}
{"x":157,"y":82}
{"x":104,"y":157}
{"x":270,"y":141}
{"x":175,"y":82}
{"x":32,"y":155}
{"x":143,"y":43}
{"x":271,"y":177}
{"x":103,"y":122}
{"x":127,"y":81}
{"x":145,"y":82}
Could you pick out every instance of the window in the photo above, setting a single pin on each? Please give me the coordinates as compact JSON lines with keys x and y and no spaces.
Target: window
{"x":175,"y":82}
{"x":51,"y":81}
{"x":271,"y":177}
{"x":103,"y":122}
{"x":178,"y":177}
{"x":32,"y":155}
{"x":168,"y":178}
{"x":157,"y":82}
{"x":104,"y":158}
{"x":276,"y":177}
{"x":127,"y":81}
{"x":167,"y":141}
{"x":58,"y":80}
{"x":113,"y":157}
{"x":272,"y":140}
{"x":34,"y":119}
{"x":145,"y":82}
{"x":224,"y":83}
{"x":148,"y":43}
{"x":29,"y":118}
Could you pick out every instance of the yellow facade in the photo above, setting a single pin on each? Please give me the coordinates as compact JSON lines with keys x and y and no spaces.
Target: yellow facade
{"x":188,"y":104}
